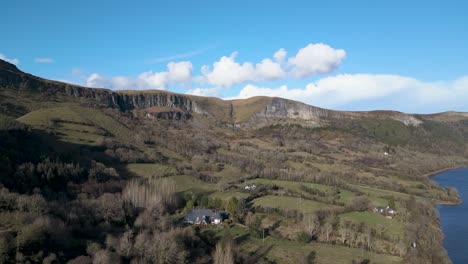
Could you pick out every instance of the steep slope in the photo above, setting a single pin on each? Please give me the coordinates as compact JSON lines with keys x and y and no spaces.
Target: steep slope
{"x":243,"y":113}
{"x":86,"y":155}
{"x":21,"y":93}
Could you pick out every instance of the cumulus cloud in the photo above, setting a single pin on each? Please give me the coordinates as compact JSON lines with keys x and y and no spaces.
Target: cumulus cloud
{"x":12,"y":61}
{"x":204,"y":91}
{"x":378,"y":91}
{"x":280,"y":55}
{"x":268,"y":70}
{"x":227,"y":72}
{"x":310,"y":60}
{"x":180,"y":71}
{"x":315,"y":59}
{"x":177,"y":72}
{"x":43,"y":60}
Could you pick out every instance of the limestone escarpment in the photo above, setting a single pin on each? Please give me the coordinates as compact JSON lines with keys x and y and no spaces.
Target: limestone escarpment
{"x":247,"y":113}
{"x":279,"y":110}
{"x":13,"y":79}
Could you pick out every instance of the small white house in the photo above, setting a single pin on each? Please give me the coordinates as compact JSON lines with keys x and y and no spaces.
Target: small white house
{"x":205,"y":217}
{"x":250,"y":187}
{"x":386,"y":211}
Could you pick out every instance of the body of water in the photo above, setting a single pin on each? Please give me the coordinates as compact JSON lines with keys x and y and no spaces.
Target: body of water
{"x":454,"y":219}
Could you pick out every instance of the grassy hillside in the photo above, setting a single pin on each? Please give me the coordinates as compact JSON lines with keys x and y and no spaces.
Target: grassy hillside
{"x":95,"y":177}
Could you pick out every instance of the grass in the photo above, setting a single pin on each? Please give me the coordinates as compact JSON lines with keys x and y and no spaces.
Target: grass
{"x":392,"y":227}
{"x":290,"y":203}
{"x":150,"y":170}
{"x":290,"y":184}
{"x":285,"y":251}
{"x":170,"y":154}
{"x":78,"y":124}
{"x":380,"y":192}
{"x":245,"y":109}
{"x":41,"y":117}
{"x":229,"y":173}
{"x":225,"y":196}
{"x":345,"y":196}
{"x":187,"y":183}
{"x":107,"y":123}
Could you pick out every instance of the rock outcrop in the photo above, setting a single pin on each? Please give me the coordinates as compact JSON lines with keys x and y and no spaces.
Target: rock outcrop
{"x":247,"y":113}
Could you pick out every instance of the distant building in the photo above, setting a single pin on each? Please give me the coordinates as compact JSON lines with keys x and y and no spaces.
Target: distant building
{"x":387,"y":211}
{"x":205,"y":216}
{"x":250,"y":187}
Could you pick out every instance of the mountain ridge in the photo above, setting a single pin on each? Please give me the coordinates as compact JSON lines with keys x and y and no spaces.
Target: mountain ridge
{"x":244,"y":113}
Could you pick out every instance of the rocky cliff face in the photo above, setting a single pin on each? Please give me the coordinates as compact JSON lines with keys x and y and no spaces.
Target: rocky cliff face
{"x":281,"y":110}
{"x":254,"y":112}
{"x":14,"y":79}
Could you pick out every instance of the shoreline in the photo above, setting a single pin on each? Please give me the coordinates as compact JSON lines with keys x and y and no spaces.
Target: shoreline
{"x":444,"y":203}
{"x":436,"y":172}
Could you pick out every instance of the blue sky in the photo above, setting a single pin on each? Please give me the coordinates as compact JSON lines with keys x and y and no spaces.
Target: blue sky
{"x":352,"y":55}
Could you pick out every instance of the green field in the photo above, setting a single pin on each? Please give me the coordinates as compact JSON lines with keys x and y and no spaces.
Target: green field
{"x":150,"y":170}
{"x":292,"y":252}
{"x":285,"y":251}
{"x":345,"y":196}
{"x":375,"y":192}
{"x":77,"y":124}
{"x":290,"y":203}
{"x":229,"y":173}
{"x":187,"y":183}
{"x":41,"y":117}
{"x":228,"y":195}
{"x":392,"y":227}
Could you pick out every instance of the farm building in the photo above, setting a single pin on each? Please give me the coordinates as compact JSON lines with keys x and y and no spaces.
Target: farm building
{"x":205,"y":216}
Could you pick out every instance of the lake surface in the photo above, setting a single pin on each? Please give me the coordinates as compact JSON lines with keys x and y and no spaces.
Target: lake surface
{"x":454,"y":219}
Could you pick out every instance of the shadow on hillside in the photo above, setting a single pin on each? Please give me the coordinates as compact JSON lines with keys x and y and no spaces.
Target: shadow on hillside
{"x":21,"y":145}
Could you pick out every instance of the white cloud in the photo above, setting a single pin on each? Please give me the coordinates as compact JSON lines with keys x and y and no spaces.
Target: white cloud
{"x":310,"y":60}
{"x":379,"y":92}
{"x":43,"y":60}
{"x":178,"y":72}
{"x":280,"y":55}
{"x":227,"y":72}
{"x":268,"y":70}
{"x":315,"y":59}
{"x":204,"y":91}
{"x":97,"y":81}
{"x":154,"y":80}
{"x":12,"y":61}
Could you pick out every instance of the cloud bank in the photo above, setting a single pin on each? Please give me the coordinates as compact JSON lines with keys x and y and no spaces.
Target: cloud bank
{"x":177,"y":72}
{"x":378,"y":91}
{"x":343,"y":91}
{"x":227,"y":71}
